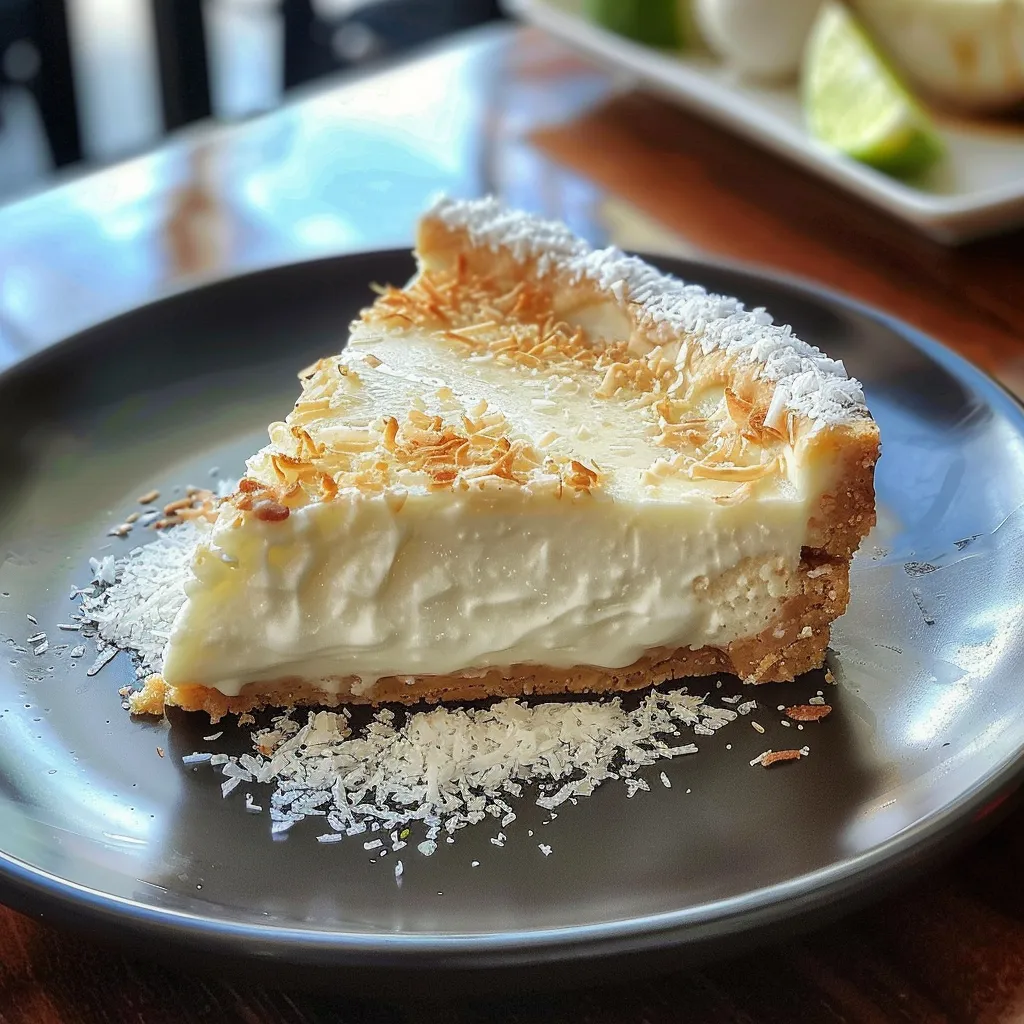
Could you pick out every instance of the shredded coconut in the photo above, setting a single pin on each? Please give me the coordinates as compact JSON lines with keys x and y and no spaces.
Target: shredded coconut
{"x":139,"y":595}
{"x":806,"y":380}
{"x":103,"y":658}
{"x":451,"y":767}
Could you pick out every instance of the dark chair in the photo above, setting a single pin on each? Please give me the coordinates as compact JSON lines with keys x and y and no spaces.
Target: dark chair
{"x":314,"y":46}
{"x":183,"y":61}
{"x":34,"y":52}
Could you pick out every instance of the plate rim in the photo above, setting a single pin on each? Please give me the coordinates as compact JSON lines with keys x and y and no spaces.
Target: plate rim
{"x":794,"y":902}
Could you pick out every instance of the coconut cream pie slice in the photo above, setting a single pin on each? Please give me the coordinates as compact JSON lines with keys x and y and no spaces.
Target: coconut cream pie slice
{"x":537,"y":468}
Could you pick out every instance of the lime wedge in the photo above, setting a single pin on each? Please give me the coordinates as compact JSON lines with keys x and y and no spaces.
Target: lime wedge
{"x":854,"y":101}
{"x":662,"y":23}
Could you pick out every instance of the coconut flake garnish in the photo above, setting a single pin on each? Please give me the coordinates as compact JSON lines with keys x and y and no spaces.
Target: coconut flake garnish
{"x":138,"y":596}
{"x":806,"y":380}
{"x":448,"y":768}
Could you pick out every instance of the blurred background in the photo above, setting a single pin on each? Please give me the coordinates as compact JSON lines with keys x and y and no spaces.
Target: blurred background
{"x":94,"y":81}
{"x":835,"y":139}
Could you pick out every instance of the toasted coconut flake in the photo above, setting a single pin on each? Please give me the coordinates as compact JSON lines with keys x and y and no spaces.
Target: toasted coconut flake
{"x":741,"y":494}
{"x":390,"y":434}
{"x":582,"y":478}
{"x":682,"y":436}
{"x":778,"y":756}
{"x":703,"y":471}
{"x":309,"y":371}
{"x":808,"y":712}
{"x":613,"y":380}
{"x":349,"y":375}
{"x":737,"y":407}
{"x":271,"y":511}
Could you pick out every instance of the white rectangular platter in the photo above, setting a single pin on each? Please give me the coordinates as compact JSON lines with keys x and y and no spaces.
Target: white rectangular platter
{"x":977,"y":190}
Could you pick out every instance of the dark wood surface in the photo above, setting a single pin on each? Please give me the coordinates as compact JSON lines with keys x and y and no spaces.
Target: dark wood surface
{"x":348,"y":168}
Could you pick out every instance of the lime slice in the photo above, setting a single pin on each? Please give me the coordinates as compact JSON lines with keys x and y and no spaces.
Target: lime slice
{"x":854,"y":101}
{"x":662,"y":23}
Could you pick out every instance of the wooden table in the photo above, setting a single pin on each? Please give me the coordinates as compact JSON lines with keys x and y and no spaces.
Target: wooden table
{"x":349,"y":167}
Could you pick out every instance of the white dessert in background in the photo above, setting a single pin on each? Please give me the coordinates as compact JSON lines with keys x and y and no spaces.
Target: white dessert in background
{"x":760,"y":39}
{"x":966,"y":53}
{"x":538,"y":468}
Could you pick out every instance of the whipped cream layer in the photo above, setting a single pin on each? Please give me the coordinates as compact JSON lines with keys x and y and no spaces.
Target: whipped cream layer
{"x":476,"y":580}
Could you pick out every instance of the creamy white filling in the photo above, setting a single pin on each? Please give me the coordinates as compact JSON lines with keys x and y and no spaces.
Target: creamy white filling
{"x":458,"y":582}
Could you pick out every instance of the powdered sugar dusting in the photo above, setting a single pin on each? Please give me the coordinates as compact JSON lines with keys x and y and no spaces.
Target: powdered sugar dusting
{"x":807,"y":381}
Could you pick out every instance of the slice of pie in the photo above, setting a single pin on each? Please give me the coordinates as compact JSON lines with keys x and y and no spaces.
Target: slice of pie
{"x":537,"y":468}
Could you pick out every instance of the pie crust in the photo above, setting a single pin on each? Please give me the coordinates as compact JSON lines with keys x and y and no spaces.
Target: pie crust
{"x":652,"y":338}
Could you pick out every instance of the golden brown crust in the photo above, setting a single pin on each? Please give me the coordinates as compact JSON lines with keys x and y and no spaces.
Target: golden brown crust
{"x":846,"y":513}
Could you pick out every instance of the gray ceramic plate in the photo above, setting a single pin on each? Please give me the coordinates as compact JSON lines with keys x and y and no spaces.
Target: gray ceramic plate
{"x":98,"y":831}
